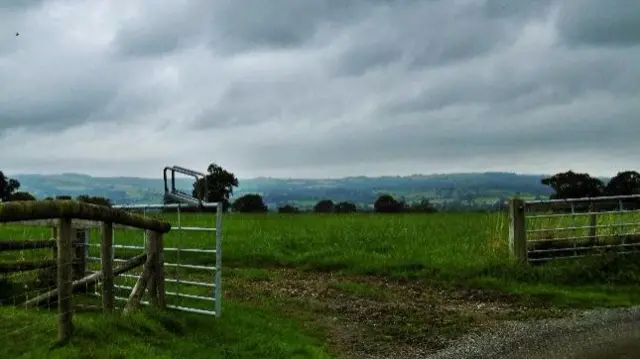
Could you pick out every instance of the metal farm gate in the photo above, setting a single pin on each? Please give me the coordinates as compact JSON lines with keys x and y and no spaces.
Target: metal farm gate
{"x":192,"y":249}
{"x":193,"y":258}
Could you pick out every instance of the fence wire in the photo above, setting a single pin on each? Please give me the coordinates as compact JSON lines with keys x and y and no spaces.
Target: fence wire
{"x":579,"y":228}
{"x":28,"y":270}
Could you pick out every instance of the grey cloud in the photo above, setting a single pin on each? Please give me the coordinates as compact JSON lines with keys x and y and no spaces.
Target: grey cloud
{"x":53,"y":101}
{"x":600,"y":23}
{"x":231,"y":27}
{"x":435,"y":33}
{"x":430,"y":140}
{"x":516,"y":9}
{"x":256,"y":24}
{"x":19,"y":4}
{"x":161,"y":30}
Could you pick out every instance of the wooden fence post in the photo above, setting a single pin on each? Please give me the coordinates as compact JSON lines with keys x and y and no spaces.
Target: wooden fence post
{"x":517,"y":233}
{"x":156,"y":282}
{"x":593,"y":225}
{"x":159,"y":271}
{"x":65,"y":269}
{"x":106,"y":260}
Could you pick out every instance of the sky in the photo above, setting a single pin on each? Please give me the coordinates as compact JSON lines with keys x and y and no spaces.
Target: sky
{"x":322,"y":88}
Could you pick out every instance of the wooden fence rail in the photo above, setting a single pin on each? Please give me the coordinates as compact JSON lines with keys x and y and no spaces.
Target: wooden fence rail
{"x":70,"y":265}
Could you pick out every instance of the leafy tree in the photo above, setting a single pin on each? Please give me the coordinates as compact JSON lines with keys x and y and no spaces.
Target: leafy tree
{"x":623,"y":184}
{"x":574,"y":185}
{"x":64,"y":197}
{"x":21,"y":196}
{"x":220,"y":184}
{"x":7,"y":187}
{"x":288,"y":208}
{"x":249,"y":203}
{"x":101,"y":201}
{"x":324,"y":206}
{"x":345,"y":207}
{"x":387,"y":204}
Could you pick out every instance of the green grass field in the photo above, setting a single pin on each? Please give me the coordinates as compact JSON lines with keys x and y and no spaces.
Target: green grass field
{"x":273,"y":263}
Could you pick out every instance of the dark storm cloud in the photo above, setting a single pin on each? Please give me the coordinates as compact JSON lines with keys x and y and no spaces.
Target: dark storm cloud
{"x":600,"y":23}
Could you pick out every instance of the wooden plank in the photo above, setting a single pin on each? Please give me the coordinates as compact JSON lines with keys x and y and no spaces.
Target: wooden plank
{"x":88,"y":280}
{"x":106,"y":260}
{"x":141,"y":285}
{"x":34,"y":210}
{"x":24,"y":266}
{"x":75,"y":223}
{"x":14,"y":245}
{"x":65,"y":289}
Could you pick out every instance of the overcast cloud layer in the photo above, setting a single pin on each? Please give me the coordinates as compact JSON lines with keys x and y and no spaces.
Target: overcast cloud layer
{"x":320,"y":88}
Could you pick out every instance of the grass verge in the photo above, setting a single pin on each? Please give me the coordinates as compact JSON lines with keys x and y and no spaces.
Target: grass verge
{"x":243,"y":332}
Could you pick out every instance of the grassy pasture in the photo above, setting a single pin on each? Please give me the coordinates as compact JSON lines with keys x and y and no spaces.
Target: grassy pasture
{"x":446,"y":250}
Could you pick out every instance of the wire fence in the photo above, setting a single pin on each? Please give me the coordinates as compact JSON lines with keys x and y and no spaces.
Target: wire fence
{"x":28,"y":257}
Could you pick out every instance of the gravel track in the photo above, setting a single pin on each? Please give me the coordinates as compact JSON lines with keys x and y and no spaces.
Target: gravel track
{"x":602,"y":334}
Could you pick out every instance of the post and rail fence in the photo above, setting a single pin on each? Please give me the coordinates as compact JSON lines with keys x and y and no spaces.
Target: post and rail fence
{"x":544,"y":230}
{"x":64,"y":217}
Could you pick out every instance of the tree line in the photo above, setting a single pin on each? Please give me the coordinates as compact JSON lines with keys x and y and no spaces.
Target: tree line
{"x":221,"y":183}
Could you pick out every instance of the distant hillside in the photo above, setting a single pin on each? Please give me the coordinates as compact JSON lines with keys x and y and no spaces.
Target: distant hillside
{"x":479,"y":188}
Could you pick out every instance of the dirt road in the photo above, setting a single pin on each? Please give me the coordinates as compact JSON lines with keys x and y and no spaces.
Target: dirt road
{"x":602,"y":334}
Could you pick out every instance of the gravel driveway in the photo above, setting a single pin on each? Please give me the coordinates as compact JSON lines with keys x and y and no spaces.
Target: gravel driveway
{"x":602,"y":334}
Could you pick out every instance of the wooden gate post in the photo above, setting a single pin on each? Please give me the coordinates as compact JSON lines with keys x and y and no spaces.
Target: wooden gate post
{"x":106,"y":260}
{"x":593,"y":225}
{"x":517,"y":233}
{"x":65,"y":278}
{"x":156,"y":282}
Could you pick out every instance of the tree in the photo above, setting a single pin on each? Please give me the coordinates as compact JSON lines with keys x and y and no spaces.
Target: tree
{"x":249,"y":203}
{"x":7,"y":187}
{"x":345,"y":207}
{"x":21,"y":196}
{"x":574,"y":185}
{"x":220,"y":184}
{"x":100,"y":201}
{"x":623,"y":184}
{"x":324,"y":206}
{"x":63,"y":197}
{"x":288,"y":208}
{"x":387,"y":204}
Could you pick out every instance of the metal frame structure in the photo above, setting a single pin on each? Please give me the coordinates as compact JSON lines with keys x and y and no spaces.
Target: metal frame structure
{"x":622,"y":248}
{"x":174,"y":195}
